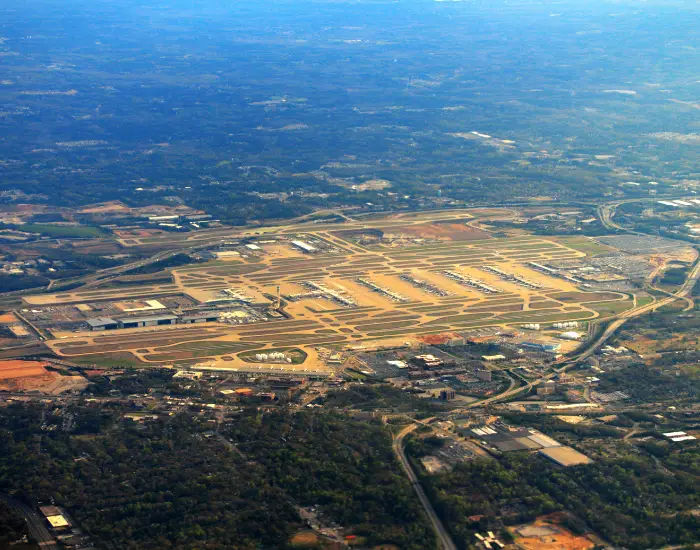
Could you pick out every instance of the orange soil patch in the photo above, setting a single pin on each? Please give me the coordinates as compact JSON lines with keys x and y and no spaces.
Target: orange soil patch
{"x":305,"y":538}
{"x":545,"y":533}
{"x":94,"y":372}
{"x":51,"y":382}
{"x":437,"y":338}
{"x":19,"y":369}
{"x":448,"y":231}
{"x":8,"y":318}
{"x":29,"y":383}
{"x":17,"y":376}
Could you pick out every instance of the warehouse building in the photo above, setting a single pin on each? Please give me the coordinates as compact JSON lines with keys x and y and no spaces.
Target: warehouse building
{"x":209,"y":317}
{"x":565,"y":456}
{"x":507,"y":439}
{"x":150,"y":321}
{"x":545,"y":348}
{"x":102,"y":323}
{"x":55,"y":517}
{"x":304,"y":247}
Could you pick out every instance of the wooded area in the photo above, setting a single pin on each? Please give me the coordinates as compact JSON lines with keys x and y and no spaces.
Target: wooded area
{"x":178,"y":483}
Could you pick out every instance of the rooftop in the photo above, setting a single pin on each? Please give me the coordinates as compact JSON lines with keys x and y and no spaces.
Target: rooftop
{"x":147,"y":318}
{"x":565,"y":456}
{"x":101,"y":321}
{"x":58,"y":521}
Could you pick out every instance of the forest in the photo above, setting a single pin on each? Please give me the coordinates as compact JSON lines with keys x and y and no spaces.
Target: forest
{"x":629,"y":502}
{"x":12,"y":526}
{"x":185,"y":483}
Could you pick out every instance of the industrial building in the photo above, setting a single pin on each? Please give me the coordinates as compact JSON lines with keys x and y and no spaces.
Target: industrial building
{"x":537,"y":346}
{"x":55,"y":517}
{"x":512,"y":439}
{"x":427,"y":361}
{"x":489,"y":541}
{"x":679,"y":436}
{"x":565,"y":456}
{"x":149,"y":321}
{"x":208,"y":317}
{"x":304,"y":247}
{"x":102,"y":323}
{"x":108,"y":323}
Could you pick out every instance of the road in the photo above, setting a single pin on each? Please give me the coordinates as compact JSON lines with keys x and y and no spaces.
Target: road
{"x":37,"y":526}
{"x":570,"y":361}
{"x":606,"y":212}
{"x":443,"y":536}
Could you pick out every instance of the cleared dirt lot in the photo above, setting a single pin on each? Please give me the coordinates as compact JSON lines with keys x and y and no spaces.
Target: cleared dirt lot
{"x":17,"y":369}
{"x":547,"y":533}
{"x":18,"y":375}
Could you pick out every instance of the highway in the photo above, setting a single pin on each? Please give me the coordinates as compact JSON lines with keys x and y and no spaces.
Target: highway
{"x":444,"y":537}
{"x":37,"y":526}
{"x":591,"y":348}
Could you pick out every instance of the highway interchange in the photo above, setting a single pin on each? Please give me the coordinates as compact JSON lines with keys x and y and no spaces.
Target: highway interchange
{"x":606,"y":214}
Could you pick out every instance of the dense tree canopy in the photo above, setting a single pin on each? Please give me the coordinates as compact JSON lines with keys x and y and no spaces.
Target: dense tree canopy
{"x":180,"y":484}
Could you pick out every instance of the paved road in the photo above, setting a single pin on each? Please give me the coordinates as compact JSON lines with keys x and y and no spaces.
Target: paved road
{"x":37,"y":527}
{"x":606,"y":212}
{"x":568,"y":362}
{"x":442,"y":534}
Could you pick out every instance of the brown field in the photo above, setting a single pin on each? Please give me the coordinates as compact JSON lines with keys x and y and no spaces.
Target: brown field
{"x":19,"y":376}
{"x":8,"y":318}
{"x":18,"y":369}
{"x":304,"y":539}
{"x":547,"y":533}
{"x":437,"y":338}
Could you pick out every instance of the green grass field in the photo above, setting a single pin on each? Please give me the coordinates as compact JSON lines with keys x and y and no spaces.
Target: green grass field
{"x":585,"y":245}
{"x":64,"y":231}
{"x":610,"y":308}
{"x":113,"y":360}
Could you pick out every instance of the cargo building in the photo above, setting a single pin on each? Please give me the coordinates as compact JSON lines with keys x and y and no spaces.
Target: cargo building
{"x":149,"y":321}
{"x":102,"y":323}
